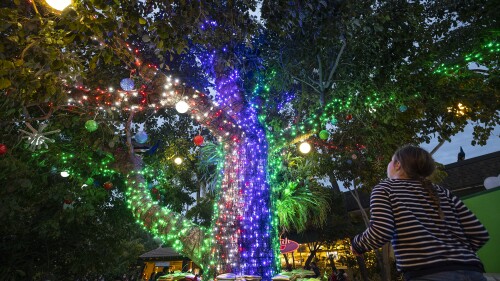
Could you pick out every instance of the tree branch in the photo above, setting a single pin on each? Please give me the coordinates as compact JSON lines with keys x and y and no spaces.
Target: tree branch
{"x":355,"y":195}
{"x":337,"y":59}
{"x":128,"y":134}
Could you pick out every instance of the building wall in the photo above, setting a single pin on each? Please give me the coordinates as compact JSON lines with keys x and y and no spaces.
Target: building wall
{"x":486,"y":207}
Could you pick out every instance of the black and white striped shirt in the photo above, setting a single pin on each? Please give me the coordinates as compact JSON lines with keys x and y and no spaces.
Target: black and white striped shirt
{"x":402,"y":212}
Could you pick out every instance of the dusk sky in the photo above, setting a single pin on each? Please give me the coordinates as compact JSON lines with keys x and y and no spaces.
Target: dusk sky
{"x":447,"y":153}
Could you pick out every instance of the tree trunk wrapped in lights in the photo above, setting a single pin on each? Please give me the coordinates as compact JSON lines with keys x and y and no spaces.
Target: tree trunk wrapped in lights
{"x":243,"y":239}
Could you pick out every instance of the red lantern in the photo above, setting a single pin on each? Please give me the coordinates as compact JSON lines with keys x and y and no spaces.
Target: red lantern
{"x":3,"y":149}
{"x":198,"y":140}
{"x":108,"y":185}
{"x":155,"y":190}
{"x":348,"y":117}
{"x":68,"y":201}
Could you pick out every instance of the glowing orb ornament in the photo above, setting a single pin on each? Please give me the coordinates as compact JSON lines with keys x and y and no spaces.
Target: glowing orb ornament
{"x":333,"y":121}
{"x":305,"y":147}
{"x":198,"y":140}
{"x":324,"y":134}
{"x":348,"y":117}
{"x":91,"y":125}
{"x":127,"y":84}
{"x":3,"y":149}
{"x":64,"y":174}
{"x":181,"y":106}
{"x":141,"y":137}
{"x":178,"y":160}
{"x":403,"y":108}
{"x":58,"y":4}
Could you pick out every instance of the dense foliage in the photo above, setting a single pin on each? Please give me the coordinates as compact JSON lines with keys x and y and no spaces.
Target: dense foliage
{"x":374,"y":75}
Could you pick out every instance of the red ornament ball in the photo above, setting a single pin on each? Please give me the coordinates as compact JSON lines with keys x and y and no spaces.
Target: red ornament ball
{"x":348,"y":117}
{"x":68,"y":201}
{"x":108,"y":185}
{"x":198,"y":140}
{"x":3,"y":149}
{"x":154,"y":190}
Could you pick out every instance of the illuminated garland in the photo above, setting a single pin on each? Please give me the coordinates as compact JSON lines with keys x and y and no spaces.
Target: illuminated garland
{"x":488,"y":49}
{"x":241,"y":239}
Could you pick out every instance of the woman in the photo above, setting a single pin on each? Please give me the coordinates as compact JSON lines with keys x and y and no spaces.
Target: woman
{"x":434,"y":235}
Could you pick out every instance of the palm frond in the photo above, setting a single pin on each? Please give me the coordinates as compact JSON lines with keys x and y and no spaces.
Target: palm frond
{"x":209,"y":165}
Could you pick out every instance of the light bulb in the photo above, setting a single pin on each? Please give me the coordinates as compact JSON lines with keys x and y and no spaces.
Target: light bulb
{"x":58,"y":4}
{"x":305,"y":147}
{"x":64,"y":174}
{"x":181,"y":106}
{"x":178,"y":160}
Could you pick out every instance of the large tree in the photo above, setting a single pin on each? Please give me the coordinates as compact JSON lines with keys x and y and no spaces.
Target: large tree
{"x":371,"y":71}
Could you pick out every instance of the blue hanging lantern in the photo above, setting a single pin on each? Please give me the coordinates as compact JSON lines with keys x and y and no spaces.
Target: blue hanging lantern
{"x":403,"y":108}
{"x":127,"y":84}
{"x":141,"y":137}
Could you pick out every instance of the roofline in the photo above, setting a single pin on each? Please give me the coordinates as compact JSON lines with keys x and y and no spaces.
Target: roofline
{"x":472,"y":160}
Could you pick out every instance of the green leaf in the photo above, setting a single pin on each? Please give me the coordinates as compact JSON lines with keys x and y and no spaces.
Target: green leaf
{"x":93,"y":62}
{"x":4,"y":83}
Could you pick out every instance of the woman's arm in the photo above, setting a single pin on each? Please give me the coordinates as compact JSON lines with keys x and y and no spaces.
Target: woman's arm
{"x":381,"y":226}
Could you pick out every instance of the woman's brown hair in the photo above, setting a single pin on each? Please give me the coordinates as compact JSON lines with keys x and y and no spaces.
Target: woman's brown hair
{"x":418,"y":164}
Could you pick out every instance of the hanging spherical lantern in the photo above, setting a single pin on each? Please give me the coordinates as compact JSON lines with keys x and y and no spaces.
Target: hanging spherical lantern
{"x":354,"y":157}
{"x":141,"y":137}
{"x":324,"y":134}
{"x":403,"y":108}
{"x":58,"y":4}
{"x":305,"y":147}
{"x":91,"y":125}
{"x":3,"y":149}
{"x":178,"y":160}
{"x":127,"y":84}
{"x":64,"y":174}
{"x":198,"y":140}
{"x":181,"y":106}
{"x":108,"y":185}
{"x":348,"y":117}
{"x":89,"y":181}
{"x":333,"y":121}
